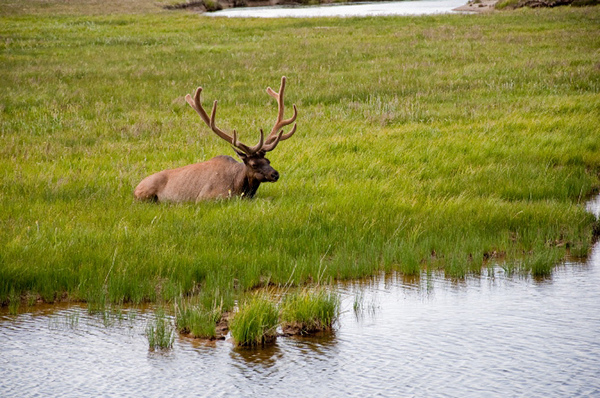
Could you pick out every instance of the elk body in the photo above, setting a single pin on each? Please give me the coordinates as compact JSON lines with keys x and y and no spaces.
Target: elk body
{"x":221,"y":176}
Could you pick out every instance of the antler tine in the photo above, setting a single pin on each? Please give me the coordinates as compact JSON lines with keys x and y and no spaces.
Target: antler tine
{"x":213,"y":126}
{"x":249,"y":150}
{"x":273,"y":144}
{"x":211,"y":122}
{"x":193,"y":103}
{"x":280,"y":137}
{"x":280,"y":121}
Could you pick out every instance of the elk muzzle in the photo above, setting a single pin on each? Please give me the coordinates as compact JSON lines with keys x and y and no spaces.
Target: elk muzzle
{"x":273,"y":176}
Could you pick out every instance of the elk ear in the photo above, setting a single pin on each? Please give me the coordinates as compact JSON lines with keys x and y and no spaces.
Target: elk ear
{"x":241,"y":154}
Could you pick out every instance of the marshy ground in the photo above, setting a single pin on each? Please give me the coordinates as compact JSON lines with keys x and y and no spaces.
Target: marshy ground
{"x":424,"y":144}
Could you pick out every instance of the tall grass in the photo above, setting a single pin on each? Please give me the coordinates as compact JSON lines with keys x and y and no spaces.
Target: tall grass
{"x":423,"y":142}
{"x":197,"y":321}
{"x":198,"y":318}
{"x":309,"y":311}
{"x":255,"y":323}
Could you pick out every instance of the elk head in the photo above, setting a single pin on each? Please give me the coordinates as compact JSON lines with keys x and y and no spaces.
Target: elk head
{"x":258,"y":168}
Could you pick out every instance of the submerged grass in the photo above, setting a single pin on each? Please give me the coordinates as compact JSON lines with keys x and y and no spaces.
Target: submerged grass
{"x":159,"y":331}
{"x":308,"y":312}
{"x":423,"y":143}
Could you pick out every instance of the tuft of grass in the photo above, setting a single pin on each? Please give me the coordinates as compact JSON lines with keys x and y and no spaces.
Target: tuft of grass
{"x":160,"y":332}
{"x":309,"y":311}
{"x":14,"y":302}
{"x":197,"y":320}
{"x":541,"y":264}
{"x":256,"y":322}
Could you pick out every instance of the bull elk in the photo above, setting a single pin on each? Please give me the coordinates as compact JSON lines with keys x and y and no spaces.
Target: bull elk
{"x":221,"y":176}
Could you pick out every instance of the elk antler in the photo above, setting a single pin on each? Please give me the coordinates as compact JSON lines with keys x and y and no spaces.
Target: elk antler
{"x":276,"y":134}
{"x":263,"y":145}
{"x":210,"y":122}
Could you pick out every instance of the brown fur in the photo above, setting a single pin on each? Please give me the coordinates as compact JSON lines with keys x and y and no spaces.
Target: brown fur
{"x":218,"y":178}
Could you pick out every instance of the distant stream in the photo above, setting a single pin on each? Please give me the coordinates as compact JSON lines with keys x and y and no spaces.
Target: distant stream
{"x":418,"y":7}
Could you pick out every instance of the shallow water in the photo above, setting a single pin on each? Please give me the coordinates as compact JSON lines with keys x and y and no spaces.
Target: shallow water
{"x":490,"y":335}
{"x":419,"y":7}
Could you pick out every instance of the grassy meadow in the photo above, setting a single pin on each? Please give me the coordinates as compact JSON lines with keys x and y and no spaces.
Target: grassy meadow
{"x":424,"y":143}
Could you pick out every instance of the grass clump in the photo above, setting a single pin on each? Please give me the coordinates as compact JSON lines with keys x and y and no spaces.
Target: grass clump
{"x":255,"y":323}
{"x":197,"y":320}
{"x":160,"y":332}
{"x":308,"y":312}
{"x":541,"y":264}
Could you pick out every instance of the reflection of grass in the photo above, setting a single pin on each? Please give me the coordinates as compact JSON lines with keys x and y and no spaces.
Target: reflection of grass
{"x":309,"y":311}
{"x":255,"y":323}
{"x":69,"y":320}
{"x":159,"y":331}
{"x":358,"y":304}
{"x":422,"y":143}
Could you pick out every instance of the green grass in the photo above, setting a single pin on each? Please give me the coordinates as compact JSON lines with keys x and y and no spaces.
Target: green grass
{"x":309,"y":312}
{"x":198,"y":315}
{"x":198,"y":322}
{"x":423,"y":143}
{"x":159,"y":331}
{"x":256,"y":322}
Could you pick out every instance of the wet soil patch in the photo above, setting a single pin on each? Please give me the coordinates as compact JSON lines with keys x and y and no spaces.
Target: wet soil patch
{"x":297,"y":329}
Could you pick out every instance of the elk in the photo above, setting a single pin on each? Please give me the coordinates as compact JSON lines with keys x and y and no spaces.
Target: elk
{"x":222,"y":176}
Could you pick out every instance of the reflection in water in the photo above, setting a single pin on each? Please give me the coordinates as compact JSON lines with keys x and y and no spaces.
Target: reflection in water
{"x":488,"y":335}
{"x":593,"y":206}
{"x":264,"y":357}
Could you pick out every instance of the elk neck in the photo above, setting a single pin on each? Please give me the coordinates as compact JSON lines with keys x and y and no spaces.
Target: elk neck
{"x":249,"y":184}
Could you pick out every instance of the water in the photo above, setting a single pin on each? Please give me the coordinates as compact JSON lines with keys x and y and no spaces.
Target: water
{"x":420,"y":7}
{"x":493,"y":335}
